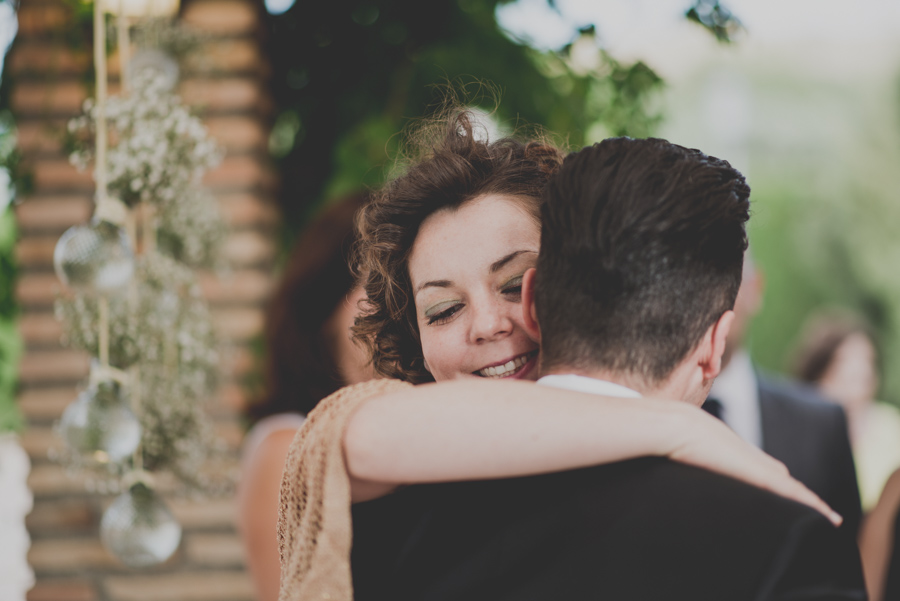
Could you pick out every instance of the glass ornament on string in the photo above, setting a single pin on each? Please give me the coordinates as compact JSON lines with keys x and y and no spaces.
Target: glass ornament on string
{"x":158,"y":63}
{"x":139,"y":529}
{"x":99,"y":424}
{"x":94,"y":257}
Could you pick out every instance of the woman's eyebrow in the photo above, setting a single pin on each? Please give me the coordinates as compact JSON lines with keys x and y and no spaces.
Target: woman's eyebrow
{"x":433,"y":284}
{"x":498,"y":265}
{"x":495,"y":266}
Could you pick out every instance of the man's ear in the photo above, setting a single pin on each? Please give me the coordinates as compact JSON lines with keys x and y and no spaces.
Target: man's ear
{"x":529,"y":313}
{"x":718,"y":333}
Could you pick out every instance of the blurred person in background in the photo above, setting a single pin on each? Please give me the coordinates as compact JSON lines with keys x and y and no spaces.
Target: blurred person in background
{"x":878,"y":544}
{"x":836,"y":353}
{"x":789,"y":421}
{"x":310,"y":355}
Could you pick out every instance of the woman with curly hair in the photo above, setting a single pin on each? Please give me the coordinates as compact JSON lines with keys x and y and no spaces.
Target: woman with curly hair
{"x":465,"y":334}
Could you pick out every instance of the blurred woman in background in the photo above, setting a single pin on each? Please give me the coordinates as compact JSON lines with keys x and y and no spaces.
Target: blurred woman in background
{"x":837,"y":354}
{"x":310,"y":355}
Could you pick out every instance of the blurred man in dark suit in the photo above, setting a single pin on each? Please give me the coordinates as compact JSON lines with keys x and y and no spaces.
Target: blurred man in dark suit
{"x":786,"y":419}
{"x":641,"y":254}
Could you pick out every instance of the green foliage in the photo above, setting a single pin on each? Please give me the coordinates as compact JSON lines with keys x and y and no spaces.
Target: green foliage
{"x":10,"y":341}
{"x":348,"y":76}
{"x":825,"y":236}
{"x":716,"y":19}
{"x":20,"y":181}
{"x":623,"y":100}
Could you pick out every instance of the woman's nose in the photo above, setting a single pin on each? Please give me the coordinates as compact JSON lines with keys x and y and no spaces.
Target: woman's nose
{"x":490,"y":322}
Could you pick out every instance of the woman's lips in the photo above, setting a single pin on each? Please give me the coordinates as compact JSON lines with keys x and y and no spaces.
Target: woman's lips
{"x":515,"y":367}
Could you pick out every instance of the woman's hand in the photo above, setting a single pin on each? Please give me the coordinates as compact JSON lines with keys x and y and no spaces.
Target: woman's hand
{"x":712,"y":445}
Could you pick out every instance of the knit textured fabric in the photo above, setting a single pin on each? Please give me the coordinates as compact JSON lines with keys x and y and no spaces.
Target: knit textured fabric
{"x":315,"y":530}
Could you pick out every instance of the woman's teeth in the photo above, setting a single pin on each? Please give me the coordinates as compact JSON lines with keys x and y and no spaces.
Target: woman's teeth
{"x":507,"y":369}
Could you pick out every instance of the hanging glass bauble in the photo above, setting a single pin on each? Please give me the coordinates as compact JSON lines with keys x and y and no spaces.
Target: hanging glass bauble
{"x":139,"y":529}
{"x":99,"y":424}
{"x":159,"y":63}
{"x":95,"y":257}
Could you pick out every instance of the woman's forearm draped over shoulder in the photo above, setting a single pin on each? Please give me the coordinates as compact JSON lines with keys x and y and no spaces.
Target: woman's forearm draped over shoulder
{"x":314,"y":525}
{"x":478,"y":429}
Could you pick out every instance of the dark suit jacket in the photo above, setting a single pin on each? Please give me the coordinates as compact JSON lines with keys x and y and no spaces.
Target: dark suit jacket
{"x":809,"y":435}
{"x":642,"y":530}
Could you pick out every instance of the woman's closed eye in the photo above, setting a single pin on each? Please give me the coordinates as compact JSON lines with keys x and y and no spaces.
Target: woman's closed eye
{"x":442,"y":312}
{"x":512,"y":289}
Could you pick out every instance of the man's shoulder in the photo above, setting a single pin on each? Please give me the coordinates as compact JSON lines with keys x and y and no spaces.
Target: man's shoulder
{"x":604,"y":528}
{"x":652,"y":491}
{"x":692,"y":492}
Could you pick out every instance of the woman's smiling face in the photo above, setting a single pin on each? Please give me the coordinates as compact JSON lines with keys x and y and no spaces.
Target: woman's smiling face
{"x":466,"y":271}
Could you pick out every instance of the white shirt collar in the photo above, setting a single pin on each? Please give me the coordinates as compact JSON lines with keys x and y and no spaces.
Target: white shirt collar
{"x":737,"y":389}
{"x":589,"y":385}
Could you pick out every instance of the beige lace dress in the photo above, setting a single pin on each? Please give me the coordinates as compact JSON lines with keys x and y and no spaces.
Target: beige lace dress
{"x":315,"y":532}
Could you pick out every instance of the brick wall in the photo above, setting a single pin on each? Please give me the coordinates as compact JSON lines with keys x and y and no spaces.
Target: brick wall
{"x":226,"y":83}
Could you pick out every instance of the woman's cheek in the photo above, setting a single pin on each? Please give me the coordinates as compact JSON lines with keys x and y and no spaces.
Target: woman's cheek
{"x":430,"y":348}
{"x":441,"y":354}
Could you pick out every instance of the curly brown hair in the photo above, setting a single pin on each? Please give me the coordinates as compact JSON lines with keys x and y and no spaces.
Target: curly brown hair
{"x":455,"y":165}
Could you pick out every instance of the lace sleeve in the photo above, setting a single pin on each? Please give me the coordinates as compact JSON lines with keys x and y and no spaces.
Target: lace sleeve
{"x":314,"y":522}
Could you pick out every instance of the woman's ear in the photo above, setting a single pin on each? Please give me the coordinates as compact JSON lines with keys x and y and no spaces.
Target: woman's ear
{"x":529,"y":313}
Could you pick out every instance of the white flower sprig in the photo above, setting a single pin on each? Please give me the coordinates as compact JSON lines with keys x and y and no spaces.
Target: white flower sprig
{"x":158,"y":148}
{"x":168,"y":333}
{"x":160,"y":330}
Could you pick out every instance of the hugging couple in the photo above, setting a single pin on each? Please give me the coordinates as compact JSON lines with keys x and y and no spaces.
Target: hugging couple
{"x":455,"y":477}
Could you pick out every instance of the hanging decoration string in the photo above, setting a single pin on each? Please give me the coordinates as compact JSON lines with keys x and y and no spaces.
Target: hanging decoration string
{"x":100,"y":73}
{"x":124,"y":47}
{"x":100,"y":161}
{"x":123,"y":41}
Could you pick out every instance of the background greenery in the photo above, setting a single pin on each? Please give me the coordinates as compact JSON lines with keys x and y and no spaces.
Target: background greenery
{"x":347,"y":76}
{"x":11,"y":178}
{"x":10,"y":341}
{"x":821,"y":153}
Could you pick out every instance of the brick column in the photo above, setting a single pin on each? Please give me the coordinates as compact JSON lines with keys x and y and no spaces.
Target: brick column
{"x":225,"y":82}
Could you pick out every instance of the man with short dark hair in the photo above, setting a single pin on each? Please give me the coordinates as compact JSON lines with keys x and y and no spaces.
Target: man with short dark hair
{"x":642,"y":247}
{"x":641,"y":252}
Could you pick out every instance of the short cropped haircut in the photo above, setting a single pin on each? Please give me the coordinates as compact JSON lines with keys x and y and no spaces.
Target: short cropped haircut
{"x":642,"y":246}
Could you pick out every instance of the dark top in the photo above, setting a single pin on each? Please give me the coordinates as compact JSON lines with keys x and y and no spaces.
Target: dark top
{"x":640,"y":530}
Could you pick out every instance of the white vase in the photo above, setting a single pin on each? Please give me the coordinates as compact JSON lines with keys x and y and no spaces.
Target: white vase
{"x":16,"y":576}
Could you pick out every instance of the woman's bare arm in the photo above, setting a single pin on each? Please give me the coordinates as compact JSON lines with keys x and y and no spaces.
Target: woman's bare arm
{"x":257,"y":511}
{"x":479,"y":429}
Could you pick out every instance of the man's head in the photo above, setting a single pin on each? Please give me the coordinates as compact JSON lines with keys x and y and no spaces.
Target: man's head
{"x":642,"y":245}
